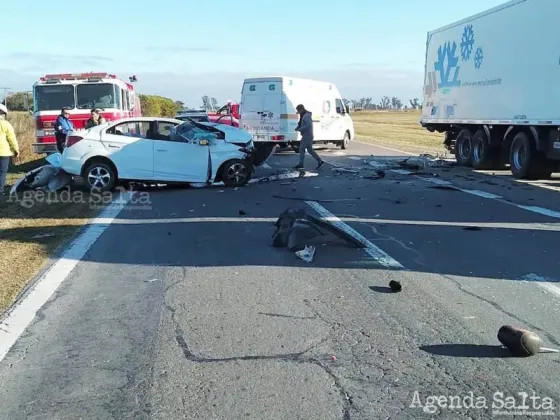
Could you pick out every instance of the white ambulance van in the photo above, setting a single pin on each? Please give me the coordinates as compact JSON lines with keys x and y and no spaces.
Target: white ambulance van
{"x":268,"y":112}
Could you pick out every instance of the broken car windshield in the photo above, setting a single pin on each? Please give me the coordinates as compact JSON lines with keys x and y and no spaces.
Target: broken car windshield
{"x":188,"y":131}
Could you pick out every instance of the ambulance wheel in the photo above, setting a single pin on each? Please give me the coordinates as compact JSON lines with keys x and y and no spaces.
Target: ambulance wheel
{"x":345,"y":141}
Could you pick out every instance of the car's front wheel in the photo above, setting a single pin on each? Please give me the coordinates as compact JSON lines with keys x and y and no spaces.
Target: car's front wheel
{"x":100,"y":176}
{"x":236,"y":173}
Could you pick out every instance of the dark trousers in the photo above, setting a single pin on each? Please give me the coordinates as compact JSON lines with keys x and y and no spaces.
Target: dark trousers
{"x":306,"y":143}
{"x":4,"y":164}
{"x":60,"y":140}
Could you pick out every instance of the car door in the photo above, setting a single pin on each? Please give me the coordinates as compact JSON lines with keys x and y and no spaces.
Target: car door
{"x":179,"y":158}
{"x":130,"y":149}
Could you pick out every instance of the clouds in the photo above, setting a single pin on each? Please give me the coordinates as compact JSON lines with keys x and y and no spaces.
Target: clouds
{"x":49,"y":63}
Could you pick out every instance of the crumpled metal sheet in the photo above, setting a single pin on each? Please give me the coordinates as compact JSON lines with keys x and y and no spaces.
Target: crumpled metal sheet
{"x":47,"y":177}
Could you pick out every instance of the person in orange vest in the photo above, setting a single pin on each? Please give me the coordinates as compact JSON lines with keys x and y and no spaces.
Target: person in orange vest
{"x":9,"y":148}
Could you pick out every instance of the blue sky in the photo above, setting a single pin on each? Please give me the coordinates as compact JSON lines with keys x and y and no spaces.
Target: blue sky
{"x":185,"y":49}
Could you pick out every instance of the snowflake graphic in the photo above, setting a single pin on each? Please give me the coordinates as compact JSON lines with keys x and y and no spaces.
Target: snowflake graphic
{"x":478,"y":57}
{"x":467,"y":43}
{"x":447,"y":65}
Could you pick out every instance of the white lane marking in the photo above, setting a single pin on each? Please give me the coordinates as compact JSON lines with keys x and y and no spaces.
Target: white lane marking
{"x":280,"y":177}
{"x":386,"y":148}
{"x":339,"y":153}
{"x":23,"y":313}
{"x":356,"y":157}
{"x":373,"y":251}
{"x":534,"y":209}
{"x":542,"y":282}
{"x":266,"y":166}
{"x":541,"y":210}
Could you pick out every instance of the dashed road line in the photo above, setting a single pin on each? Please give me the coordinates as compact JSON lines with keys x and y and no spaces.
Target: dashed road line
{"x":483,"y":194}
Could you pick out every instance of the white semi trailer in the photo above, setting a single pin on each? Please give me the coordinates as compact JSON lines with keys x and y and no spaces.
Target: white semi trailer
{"x":492,"y":85}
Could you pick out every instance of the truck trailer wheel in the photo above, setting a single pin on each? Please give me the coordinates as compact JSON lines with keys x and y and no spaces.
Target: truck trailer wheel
{"x":525,"y":161}
{"x":484,"y":156}
{"x":463,"y":148}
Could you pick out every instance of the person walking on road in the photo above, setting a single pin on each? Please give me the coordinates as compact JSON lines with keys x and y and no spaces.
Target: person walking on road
{"x":62,"y":127}
{"x":305,"y":127}
{"x":95,"y":119}
{"x":9,"y":147}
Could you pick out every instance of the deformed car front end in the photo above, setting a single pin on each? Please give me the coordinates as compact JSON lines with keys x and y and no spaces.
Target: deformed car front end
{"x":230,"y":150}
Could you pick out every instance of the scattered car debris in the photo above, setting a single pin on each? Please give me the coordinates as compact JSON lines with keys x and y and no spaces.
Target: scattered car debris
{"x":344,"y":170}
{"x":473,"y":228}
{"x":242,"y":213}
{"x":326,"y":200}
{"x":395,"y":286}
{"x":443,"y":187}
{"x":296,"y":229}
{"x":49,"y":177}
{"x":521,"y":342}
{"x":44,"y":235}
{"x":306,"y":254}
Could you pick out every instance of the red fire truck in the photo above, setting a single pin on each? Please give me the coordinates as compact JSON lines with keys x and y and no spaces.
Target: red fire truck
{"x":80,"y":93}
{"x":228,"y":114}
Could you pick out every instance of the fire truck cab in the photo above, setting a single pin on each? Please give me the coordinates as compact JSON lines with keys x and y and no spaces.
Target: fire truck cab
{"x":80,"y":93}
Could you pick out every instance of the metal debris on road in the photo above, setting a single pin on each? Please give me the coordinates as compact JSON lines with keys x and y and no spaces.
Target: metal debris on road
{"x":296,"y":229}
{"x":521,"y":342}
{"x":326,"y":200}
{"x":395,"y":286}
{"x":306,"y":254}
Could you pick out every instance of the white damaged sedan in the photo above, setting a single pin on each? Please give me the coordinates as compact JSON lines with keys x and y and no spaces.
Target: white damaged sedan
{"x":163,"y":150}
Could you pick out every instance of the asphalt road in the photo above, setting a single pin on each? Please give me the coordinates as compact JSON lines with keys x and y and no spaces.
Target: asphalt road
{"x":185,"y":311}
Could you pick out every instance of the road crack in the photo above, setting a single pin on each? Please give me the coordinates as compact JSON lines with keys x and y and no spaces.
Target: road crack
{"x":297,"y":357}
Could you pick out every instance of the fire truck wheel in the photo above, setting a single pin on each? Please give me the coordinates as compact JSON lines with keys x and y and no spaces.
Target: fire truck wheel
{"x":100,"y":176}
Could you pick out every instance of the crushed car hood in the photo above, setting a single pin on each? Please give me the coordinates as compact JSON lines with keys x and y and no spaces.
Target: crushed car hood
{"x":232,"y":134}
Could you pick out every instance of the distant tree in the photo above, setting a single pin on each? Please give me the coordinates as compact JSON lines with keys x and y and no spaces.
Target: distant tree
{"x":19,"y":101}
{"x":396,"y":103}
{"x":214,"y":103}
{"x":385,"y":103}
{"x":206,"y":104}
{"x":158,"y":106}
{"x":414,"y":103}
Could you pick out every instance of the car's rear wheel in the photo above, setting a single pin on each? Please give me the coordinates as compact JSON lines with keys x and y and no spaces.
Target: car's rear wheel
{"x":236,"y":173}
{"x":100,"y":176}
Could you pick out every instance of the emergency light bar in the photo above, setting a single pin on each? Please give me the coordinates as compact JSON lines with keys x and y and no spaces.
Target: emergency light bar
{"x":77,"y":76}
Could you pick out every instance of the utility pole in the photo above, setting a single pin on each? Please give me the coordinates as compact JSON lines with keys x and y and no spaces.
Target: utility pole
{"x":6,"y":89}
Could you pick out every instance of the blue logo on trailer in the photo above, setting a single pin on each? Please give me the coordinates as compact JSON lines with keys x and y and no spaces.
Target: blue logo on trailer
{"x":447,"y":64}
{"x":467,"y":43}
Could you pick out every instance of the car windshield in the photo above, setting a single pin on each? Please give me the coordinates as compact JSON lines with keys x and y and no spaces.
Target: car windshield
{"x":98,"y":95}
{"x":53,"y":98}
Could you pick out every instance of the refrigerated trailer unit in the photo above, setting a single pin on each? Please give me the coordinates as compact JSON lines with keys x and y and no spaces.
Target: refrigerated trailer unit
{"x":492,"y":85}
